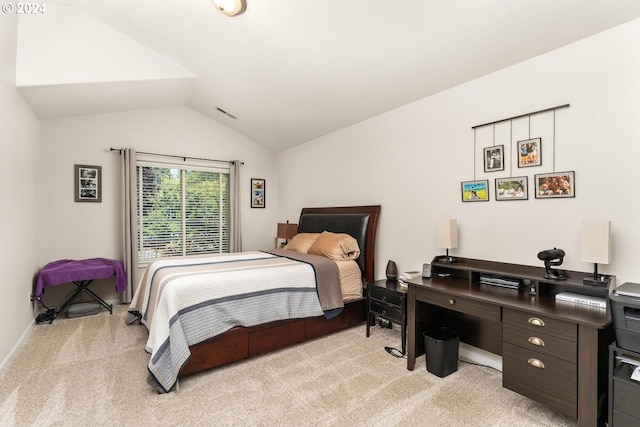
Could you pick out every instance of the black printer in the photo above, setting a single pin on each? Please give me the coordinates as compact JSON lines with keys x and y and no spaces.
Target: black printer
{"x":625,"y":310}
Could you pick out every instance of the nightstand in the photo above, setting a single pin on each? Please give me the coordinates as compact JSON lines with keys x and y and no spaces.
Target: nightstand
{"x":387,"y":300}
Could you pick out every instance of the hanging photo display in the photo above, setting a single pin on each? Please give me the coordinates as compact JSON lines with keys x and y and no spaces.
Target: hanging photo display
{"x":556,"y":184}
{"x":475,"y":191}
{"x":494,"y":158}
{"x":529,"y":152}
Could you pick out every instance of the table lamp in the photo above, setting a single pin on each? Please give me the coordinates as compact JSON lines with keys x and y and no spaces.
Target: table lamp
{"x":596,"y":248}
{"x":447,"y":237}
{"x":286,"y":231}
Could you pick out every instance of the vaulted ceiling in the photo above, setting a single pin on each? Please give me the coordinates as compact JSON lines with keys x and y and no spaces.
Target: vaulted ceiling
{"x":288,"y":71}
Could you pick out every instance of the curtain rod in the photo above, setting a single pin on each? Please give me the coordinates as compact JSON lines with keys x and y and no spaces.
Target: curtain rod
{"x":522,"y":115}
{"x":184,"y":158}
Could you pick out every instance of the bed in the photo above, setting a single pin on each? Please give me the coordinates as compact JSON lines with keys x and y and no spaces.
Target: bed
{"x":193,"y":321}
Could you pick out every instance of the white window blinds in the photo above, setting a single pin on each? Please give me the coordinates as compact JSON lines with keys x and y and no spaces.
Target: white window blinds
{"x":183,"y":209}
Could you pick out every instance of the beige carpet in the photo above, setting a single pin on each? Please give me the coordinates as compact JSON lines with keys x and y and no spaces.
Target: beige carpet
{"x":92,"y":371}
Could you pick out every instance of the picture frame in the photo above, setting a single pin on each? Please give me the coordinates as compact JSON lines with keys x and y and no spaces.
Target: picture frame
{"x":493,"y":158}
{"x":512,"y":188}
{"x":555,"y":185}
{"x":87,"y":183}
{"x":475,"y":191}
{"x":258,"y":192}
{"x":530,"y":152}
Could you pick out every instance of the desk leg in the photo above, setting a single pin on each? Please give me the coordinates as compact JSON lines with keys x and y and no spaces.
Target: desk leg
{"x":411,"y":327}
{"x":587,"y":376}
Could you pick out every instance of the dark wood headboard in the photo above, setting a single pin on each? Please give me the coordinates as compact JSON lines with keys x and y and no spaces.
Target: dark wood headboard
{"x":360,"y":222}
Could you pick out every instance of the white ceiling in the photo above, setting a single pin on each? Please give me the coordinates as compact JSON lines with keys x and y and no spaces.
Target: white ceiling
{"x":291,"y":71}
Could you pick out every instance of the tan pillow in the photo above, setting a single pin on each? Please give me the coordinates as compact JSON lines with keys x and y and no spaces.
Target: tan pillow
{"x":301,"y":242}
{"x":335,"y":246}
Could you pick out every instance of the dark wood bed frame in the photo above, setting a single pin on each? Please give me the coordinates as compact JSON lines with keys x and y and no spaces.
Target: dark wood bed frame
{"x":242,"y":343}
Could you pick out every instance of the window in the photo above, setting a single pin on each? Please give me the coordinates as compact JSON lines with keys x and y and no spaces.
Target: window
{"x":182,"y":210}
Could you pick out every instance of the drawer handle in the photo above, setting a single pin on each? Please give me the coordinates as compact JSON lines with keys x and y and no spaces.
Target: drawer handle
{"x":536,"y":363}
{"x":536,"y":341}
{"x":536,"y":321}
{"x":452,"y":301}
{"x":384,"y":298}
{"x":384,"y":312}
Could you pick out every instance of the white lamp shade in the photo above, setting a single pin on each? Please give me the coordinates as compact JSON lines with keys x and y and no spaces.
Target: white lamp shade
{"x":596,"y":242}
{"x":448,"y":234}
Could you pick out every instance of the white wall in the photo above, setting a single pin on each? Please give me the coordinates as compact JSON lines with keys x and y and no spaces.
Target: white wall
{"x":413,"y":159}
{"x":19,"y":193}
{"x":85,"y":230}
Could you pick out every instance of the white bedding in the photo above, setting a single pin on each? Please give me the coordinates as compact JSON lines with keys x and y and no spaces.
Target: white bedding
{"x":184,"y":301}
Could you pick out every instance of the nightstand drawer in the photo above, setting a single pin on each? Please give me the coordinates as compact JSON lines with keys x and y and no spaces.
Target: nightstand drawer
{"x":463,"y":305}
{"x":542,"y":343}
{"x":389,"y":312}
{"x":386,"y":295}
{"x":537,"y":323}
{"x":547,"y":379}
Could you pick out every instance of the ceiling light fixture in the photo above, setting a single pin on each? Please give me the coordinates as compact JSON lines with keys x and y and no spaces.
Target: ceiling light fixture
{"x":230,"y":7}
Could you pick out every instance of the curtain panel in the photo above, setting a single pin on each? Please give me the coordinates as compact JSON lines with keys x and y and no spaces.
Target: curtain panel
{"x":129,"y":221}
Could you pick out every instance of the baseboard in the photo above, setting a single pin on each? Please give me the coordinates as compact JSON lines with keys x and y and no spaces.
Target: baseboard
{"x":14,"y":351}
{"x":479,"y":356}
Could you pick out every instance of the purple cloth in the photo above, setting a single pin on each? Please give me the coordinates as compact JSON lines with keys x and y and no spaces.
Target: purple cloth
{"x":69,"y":270}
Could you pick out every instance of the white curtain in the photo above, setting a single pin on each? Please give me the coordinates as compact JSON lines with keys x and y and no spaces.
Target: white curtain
{"x":236,"y":232}
{"x":129,"y":221}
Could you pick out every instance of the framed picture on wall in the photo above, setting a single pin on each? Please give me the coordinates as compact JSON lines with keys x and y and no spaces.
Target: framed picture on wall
{"x":475,"y":191}
{"x":493,"y":158}
{"x":513,"y":188}
{"x":257,"y":192}
{"x":556,"y":184}
{"x":87,"y":183}
{"x":530,"y":152}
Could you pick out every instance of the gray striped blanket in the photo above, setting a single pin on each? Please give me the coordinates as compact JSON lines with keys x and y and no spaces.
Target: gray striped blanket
{"x":184,"y":301}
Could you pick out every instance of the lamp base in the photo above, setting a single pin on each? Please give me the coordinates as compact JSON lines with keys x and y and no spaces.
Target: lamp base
{"x":447,"y":259}
{"x":554,"y":275}
{"x":600,"y":280}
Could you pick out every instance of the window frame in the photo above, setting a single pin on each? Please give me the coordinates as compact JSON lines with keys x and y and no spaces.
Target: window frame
{"x":187,"y":164}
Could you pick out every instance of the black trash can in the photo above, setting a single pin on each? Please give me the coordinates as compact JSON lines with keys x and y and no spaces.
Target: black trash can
{"x":441,"y":348}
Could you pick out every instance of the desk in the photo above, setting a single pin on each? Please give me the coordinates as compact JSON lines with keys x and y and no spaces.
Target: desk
{"x":81,"y":273}
{"x":554,"y":353}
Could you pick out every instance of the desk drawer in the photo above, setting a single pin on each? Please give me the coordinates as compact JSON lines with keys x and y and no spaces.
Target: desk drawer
{"x":542,"y":343}
{"x":389,"y":312}
{"x":461,"y":304}
{"x":537,"y":323}
{"x":553,"y":383}
{"x":385,"y":295}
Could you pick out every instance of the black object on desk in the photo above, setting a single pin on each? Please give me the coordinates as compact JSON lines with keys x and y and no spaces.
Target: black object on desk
{"x":388,"y":300}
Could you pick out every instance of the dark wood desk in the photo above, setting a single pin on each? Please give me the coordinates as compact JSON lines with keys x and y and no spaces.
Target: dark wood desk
{"x":552,"y":352}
